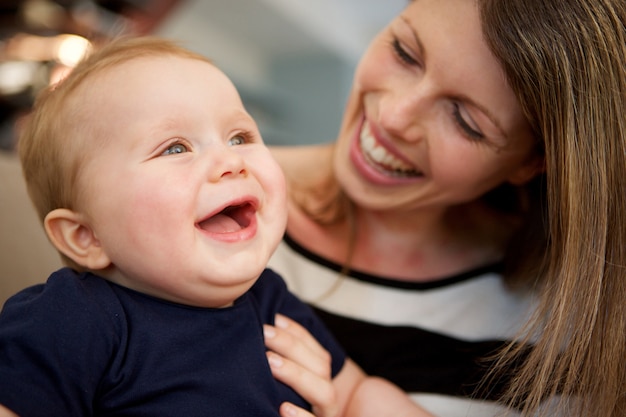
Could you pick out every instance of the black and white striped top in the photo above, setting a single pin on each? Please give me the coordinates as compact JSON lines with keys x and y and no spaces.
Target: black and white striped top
{"x":431,"y":339}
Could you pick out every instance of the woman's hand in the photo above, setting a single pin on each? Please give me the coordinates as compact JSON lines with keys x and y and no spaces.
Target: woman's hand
{"x":291,"y":410}
{"x":298,"y":360}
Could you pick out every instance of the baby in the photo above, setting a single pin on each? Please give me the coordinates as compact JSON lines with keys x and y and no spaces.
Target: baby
{"x":154,"y":184}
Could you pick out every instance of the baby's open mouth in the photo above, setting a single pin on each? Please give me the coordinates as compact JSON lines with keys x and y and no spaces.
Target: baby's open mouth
{"x":229,"y":220}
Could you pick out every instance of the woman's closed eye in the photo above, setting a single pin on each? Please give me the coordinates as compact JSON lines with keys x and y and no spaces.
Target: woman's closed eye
{"x":466,"y":127}
{"x":403,"y":54}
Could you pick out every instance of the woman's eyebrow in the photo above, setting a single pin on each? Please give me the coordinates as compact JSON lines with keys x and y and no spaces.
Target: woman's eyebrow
{"x":416,"y":38}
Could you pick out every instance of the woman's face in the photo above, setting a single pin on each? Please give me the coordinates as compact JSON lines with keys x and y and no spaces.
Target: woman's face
{"x":431,"y":120}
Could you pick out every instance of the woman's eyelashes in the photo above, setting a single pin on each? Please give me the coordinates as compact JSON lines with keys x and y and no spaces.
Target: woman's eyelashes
{"x":465,"y":126}
{"x":402,"y":53}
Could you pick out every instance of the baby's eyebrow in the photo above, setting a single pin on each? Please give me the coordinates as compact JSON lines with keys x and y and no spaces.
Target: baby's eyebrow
{"x":167,"y":123}
{"x":240,"y":115}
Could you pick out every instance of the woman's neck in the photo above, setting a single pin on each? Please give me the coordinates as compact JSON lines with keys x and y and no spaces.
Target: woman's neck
{"x":413,"y":246}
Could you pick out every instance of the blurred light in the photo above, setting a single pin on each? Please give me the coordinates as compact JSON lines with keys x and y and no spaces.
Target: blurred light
{"x":67,"y":49}
{"x":29,"y":47}
{"x":17,"y":76}
{"x":42,"y":14}
{"x":71,"y":49}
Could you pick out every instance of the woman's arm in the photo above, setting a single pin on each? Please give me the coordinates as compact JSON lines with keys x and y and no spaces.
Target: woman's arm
{"x":377,"y":397}
{"x":5,"y":412}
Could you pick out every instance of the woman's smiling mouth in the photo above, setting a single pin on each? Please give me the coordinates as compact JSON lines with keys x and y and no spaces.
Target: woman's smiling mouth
{"x":381,"y":159}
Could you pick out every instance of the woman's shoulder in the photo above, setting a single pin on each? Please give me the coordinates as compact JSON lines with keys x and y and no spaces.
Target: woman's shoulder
{"x":306,"y":163}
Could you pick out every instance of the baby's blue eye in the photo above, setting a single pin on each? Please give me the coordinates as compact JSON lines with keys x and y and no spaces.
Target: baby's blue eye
{"x":236,"y":140}
{"x":175,"y":148}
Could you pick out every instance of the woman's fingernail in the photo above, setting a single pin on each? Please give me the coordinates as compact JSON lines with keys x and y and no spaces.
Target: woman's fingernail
{"x":274,"y":360}
{"x":289,"y":409}
{"x":268,"y":332}
{"x":280,"y":321}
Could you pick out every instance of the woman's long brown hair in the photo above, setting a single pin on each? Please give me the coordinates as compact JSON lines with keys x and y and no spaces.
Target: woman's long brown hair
{"x":566,"y":62}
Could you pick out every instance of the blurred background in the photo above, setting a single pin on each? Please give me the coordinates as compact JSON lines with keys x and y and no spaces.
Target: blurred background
{"x":292,"y":60}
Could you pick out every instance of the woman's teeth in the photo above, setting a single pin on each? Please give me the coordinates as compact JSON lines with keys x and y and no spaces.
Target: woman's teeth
{"x":381,"y":159}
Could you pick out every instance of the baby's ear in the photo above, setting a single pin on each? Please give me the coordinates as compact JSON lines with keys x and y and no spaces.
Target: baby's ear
{"x":73,"y":237}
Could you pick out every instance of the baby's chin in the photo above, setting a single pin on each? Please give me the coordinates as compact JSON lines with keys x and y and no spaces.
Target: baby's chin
{"x":212,"y":296}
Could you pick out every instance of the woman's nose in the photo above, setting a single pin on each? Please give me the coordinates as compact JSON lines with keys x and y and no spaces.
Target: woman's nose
{"x":402,"y":113}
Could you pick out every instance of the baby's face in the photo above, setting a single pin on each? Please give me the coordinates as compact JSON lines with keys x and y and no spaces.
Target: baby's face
{"x":182,"y":194}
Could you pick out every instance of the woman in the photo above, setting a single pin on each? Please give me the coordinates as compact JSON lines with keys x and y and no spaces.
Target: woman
{"x":479,"y":168}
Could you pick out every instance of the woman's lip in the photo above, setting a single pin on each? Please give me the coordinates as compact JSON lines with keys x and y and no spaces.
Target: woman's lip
{"x":372,"y":171}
